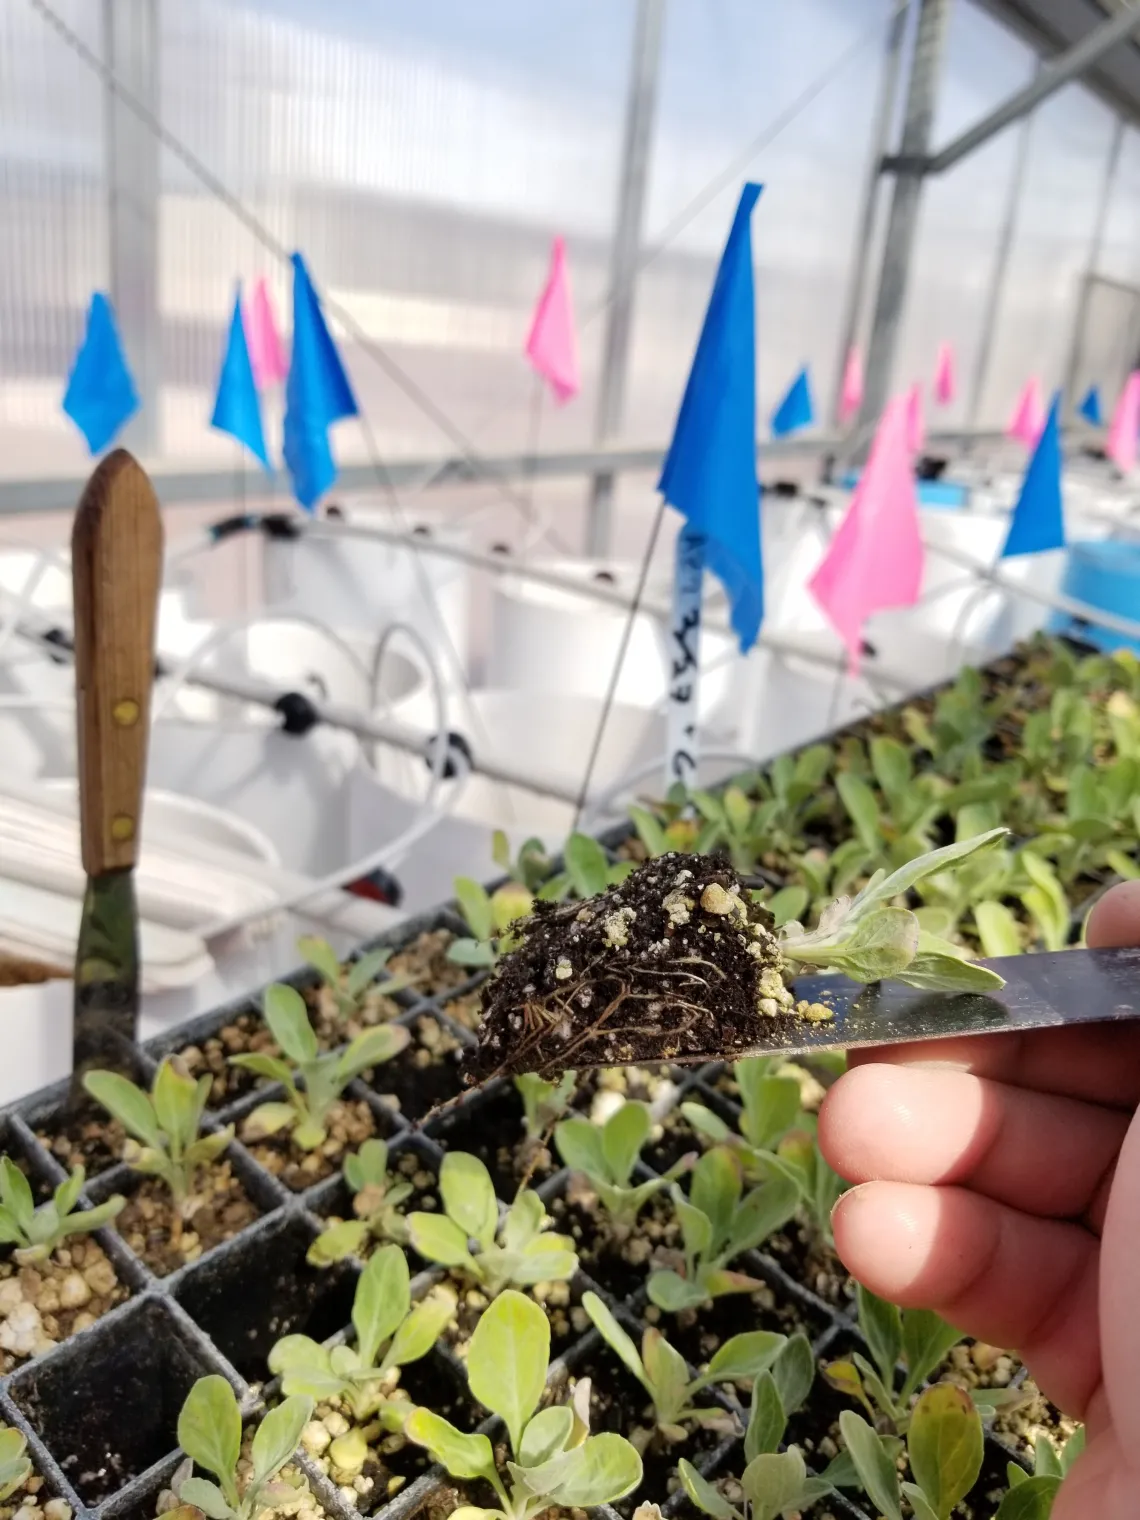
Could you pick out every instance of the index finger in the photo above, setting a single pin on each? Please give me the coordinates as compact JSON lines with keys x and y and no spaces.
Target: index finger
{"x":1097,"y":1062}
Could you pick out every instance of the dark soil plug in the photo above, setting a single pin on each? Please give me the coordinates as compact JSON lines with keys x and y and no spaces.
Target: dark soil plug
{"x":677,"y":963}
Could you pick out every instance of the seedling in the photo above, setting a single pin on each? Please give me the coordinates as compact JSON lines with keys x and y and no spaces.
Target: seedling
{"x":488,"y":915}
{"x":324,"y":1077}
{"x":555,"y":1461}
{"x":530,"y":867}
{"x":209,"y":1432}
{"x":916,"y":1337}
{"x":677,"y":963}
{"x":166,"y":1124}
{"x":944,"y":1446}
{"x":607,"y":1153}
{"x":717,"y":1223}
{"x":672,"y":825}
{"x":661,"y":1370}
{"x":770,"y":1106}
{"x":1030,"y":1497}
{"x":779,"y":1390}
{"x":377,"y":1196}
{"x":868,"y":938}
{"x":774,"y":1485}
{"x":15,"y":1469}
{"x":390,"y":1334}
{"x":36,"y":1232}
{"x":349,"y":986}
{"x":586,"y":871}
{"x":799,"y":1158}
{"x":544,"y":1102}
{"x":519,"y":1251}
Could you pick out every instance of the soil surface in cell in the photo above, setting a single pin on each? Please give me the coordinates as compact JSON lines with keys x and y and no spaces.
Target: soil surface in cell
{"x":676,"y":963}
{"x":219,"y":1209}
{"x":350,"y":1122}
{"x":424,"y":962}
{"x":46,"y":1301}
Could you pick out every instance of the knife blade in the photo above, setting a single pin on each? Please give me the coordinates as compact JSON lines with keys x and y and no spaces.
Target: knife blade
{"x":1054,"y":988}
{"x":116,"y":565}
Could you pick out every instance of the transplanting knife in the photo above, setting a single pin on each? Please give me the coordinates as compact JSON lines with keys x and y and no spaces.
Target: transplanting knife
{"x":116,"y":566}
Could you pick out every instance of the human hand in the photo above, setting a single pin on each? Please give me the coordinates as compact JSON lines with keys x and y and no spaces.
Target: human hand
{"x":998,"y":1183}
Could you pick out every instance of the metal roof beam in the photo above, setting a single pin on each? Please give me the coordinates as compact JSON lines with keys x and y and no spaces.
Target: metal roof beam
{"x":1071,"y":64}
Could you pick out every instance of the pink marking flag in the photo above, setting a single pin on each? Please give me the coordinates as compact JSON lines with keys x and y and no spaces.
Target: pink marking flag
{"x":1028,"y":418}
{"x":551,"y":345}
{"x":263,"y":339}
{"x":1121,"y":444}
{"x":875,"y":560}
{"x":915,"y":424}
{"x":851,"y":391}
{"x":945,"y":379}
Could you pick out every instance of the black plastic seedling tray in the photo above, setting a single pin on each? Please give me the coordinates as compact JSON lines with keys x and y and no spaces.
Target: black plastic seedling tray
{"x":117,"y":1386}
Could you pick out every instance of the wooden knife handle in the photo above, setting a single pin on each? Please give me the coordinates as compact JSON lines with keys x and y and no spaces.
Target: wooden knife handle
{"x":116,"y":571}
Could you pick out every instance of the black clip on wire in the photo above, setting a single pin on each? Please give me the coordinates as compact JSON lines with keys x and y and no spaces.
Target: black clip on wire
{"x":460,"y":759}
{"x":298,"y":713}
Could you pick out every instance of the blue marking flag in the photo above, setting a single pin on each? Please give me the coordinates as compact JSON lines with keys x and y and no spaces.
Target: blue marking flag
{"x":1089,"y":408}
{"x":795,"y":410}
{"x":1038,"y":520}
{"x":317,"y":394}
{"x":237,"y":406}
{"x":100,"y":396}
{"x":710,"y":470}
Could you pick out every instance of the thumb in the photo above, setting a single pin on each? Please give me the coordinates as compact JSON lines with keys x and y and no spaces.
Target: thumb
{"x":1115,"y":920}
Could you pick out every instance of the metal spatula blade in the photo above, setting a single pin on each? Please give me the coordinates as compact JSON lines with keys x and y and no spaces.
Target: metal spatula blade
{"x":1041,"y":992}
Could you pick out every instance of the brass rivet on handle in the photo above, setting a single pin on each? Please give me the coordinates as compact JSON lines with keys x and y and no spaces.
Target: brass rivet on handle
{"x":126,"y":712}
{"x":122,"y":828}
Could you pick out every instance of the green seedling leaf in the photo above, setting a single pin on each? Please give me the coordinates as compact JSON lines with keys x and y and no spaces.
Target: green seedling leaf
{"x":881,"y":1325}
{"x":1045,"y":900}
{"x":421,"y":1329}
{"x":771,"y":1103}
{"x":703,"y":1494}
{"x":997,"y":928}
{"x":372,"y":1048}
{"x":546,"y":1435}
{"x":265,"y":1066}
{"x":944,"y":1444}
{"x":873,"y":1463}
{"x":765,"y":1210}
{"x":524,"y":1220}
{"x":1031,"y":1500}
{"x":1072,"y":1449}
{"x":439,"y":1240}
{"x":715,"y":1192}
{"x":603,"y":1469}
{"x":623,"y":1135}
{"x":475,"y":906}
{"x":16,"y":1192}
{"x":470,"y":952}
{"x":579,"y":1143}
{"x":463,"y":1456}
{"x":705,"y":1122}
{"x":468,"y":1196}
{"x":940,"y":967}
{"x":509,"y":902}
{"x":127,"y":1103}
{"x":615,"y":1337}
{"x":278,"y":1436}
{"x":269,"y":1119}
{"x":743,"y":1356}
{"x":203,"y":1495}
{"x":321,"y":956}
{"x":774,"y":1483}
{"x":176,"y":1103}
{"x":844,"y":1376}
{"x":788,"y":905}
{"x":930,"y":864}
{"x":859,"y":800}
{"x":667,"y":1376}
{"x":892,"y":767}
{"x":586,"y":865}
{"x":793,"y":1372}
{"x":288,"y":1018}
{"x":209,"y":1430}
{"x":382,"y":1299}
{"x":767,"y":1419}
{"x":927,"y":1339}
{"x":507,"y":1360}
{"x":673,"y":1293}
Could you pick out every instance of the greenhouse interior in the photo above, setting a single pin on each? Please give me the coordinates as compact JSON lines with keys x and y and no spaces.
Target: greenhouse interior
{"x":573,"y":567}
